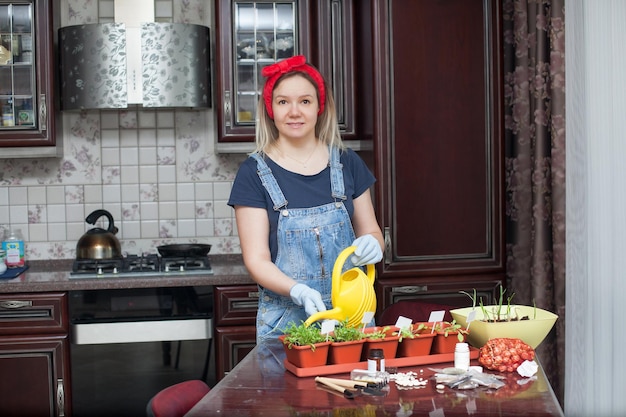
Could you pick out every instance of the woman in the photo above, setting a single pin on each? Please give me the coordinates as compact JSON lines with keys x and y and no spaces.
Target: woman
{"x":300,"y":199}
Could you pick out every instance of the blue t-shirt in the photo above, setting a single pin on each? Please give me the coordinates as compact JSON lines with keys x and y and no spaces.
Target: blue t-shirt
{"x":301,"y":191}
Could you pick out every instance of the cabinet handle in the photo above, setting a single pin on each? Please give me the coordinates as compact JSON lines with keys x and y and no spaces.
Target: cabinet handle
{"x":253,"y":294}
{"x":43,"y":112}
{"x":227,"y":108}
{"x":245,"y":305}
{"x":387,"y":245}
{"x":13,"y":304}
{"x":60,"y":398}
{"x":409,"y":289}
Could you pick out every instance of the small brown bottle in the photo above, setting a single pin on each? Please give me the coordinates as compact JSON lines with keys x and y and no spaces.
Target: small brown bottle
{"x":376,"y":360}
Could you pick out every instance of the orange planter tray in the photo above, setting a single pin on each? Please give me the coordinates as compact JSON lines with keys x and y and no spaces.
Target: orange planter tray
{"x":395,"y":362}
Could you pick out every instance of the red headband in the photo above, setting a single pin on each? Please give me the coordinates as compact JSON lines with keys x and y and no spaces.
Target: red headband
{"x":295,"y":63}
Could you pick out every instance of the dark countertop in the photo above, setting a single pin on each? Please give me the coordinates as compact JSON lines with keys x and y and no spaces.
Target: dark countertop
{"x":54,"y":275}
{"x":260,"y":385}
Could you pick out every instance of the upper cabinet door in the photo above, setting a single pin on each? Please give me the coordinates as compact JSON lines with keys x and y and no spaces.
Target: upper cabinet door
{"x":27,"y":99}
{"x":439,"y":128}
{"x":250,"y":36}
{"x":336,"y":58}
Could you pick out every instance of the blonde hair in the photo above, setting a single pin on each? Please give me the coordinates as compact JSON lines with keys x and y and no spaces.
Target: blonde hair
{"x":326,"y":127}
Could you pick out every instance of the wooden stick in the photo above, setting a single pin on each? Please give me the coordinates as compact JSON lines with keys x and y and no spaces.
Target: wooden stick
{"x":347,"y":383}
{"x":346,"y":392}
{"x":329,"y":390}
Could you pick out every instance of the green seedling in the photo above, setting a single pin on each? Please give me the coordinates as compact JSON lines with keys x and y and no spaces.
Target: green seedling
{"x":302,"y":335}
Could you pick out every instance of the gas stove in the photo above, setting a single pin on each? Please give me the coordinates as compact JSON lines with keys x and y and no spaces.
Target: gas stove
{"x":145,"y":265}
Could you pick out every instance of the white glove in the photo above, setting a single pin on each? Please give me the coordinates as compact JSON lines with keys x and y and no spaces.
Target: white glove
{"x":305,"y":296}
{"x":367,"y":251}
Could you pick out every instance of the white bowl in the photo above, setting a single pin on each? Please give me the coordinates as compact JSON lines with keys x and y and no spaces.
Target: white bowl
{"x":531,"y":331}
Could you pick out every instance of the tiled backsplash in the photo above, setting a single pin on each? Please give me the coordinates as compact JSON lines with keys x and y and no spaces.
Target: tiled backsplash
{"x":155,"y":171}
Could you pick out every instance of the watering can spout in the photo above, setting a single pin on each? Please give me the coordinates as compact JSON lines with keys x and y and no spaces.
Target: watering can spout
{"x":334,"y":314}
{"x":352,"y":293}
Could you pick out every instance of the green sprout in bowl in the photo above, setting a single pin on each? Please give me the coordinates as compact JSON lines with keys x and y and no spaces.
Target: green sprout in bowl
{"x":499,"y":312}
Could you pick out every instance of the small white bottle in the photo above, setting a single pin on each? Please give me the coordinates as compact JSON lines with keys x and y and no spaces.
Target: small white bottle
{"x":14,"y":247}
{"x":462,"y":356}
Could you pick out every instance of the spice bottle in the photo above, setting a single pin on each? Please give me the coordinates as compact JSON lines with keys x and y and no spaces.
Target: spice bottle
{"x":14,"y":247}
{"x":376,"y":360}
{"x":462,"y":356}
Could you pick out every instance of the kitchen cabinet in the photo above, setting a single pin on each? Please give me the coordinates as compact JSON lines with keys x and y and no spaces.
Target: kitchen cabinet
{"x":235,"y":311}
{"x":252,"y":35}
{"x":34,"y":355}
{"x":438,"y":127}
{"x":28,"y":100}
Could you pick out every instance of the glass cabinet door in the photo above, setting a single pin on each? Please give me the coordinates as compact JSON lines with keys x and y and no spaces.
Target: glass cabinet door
{"x":17,"y":62}
{"x":253,"y":34}
{"x":250,"y":36}
{"x":264,"y":33}
{"x":29,"y":126}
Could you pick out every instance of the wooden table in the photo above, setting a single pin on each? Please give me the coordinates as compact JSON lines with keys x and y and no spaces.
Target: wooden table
{"x":260,"y":386}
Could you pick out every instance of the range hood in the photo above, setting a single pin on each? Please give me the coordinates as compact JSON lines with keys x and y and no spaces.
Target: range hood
{"x":134,"y":61}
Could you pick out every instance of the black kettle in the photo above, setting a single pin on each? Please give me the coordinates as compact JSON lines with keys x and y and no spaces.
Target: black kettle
{"x":99,"y":243}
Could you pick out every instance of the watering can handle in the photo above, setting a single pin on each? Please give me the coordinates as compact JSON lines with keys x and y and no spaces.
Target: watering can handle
{"x":342,"y":258}
{"x":337,"y":313}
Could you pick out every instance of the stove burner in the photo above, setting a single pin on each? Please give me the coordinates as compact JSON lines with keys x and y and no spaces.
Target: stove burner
{"x":87,"y":266}
{"x":146,"y":264}
{"x":187,"y":263}
{"x":141,"y":263}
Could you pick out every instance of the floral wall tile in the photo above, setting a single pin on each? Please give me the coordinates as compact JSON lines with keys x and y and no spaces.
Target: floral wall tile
{"x":79,"y":12}
{"x":191,"y":11}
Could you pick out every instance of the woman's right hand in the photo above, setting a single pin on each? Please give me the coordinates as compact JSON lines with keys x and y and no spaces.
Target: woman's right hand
{"x":368,"y":251}
{"x":305,"y":296}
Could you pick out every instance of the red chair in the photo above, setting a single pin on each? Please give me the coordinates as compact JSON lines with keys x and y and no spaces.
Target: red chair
{"x":417,"y":311}
{"x":177,"y":400}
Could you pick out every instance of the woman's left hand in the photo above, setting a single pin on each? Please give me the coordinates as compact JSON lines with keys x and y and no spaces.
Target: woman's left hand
{"x":368,"y":251}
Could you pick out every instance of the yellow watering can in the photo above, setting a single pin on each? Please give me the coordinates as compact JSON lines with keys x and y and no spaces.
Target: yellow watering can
{"x":352,"y":293}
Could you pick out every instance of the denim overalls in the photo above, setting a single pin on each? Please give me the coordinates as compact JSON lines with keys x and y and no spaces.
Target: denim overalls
{"x":309,"y":241}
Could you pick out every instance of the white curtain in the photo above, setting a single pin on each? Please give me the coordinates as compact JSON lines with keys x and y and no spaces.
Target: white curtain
{"x":595,"y":371}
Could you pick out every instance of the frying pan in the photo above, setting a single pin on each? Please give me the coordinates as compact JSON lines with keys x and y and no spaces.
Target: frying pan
{"x":183,"y":250}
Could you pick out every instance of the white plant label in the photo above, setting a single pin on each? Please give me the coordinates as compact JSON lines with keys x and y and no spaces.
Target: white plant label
{"x":368,"y":316}
{"x":470,"y":318}
{"x":328,"y":326}
{"x":436,"y":316}
{"x":403,"y":322}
